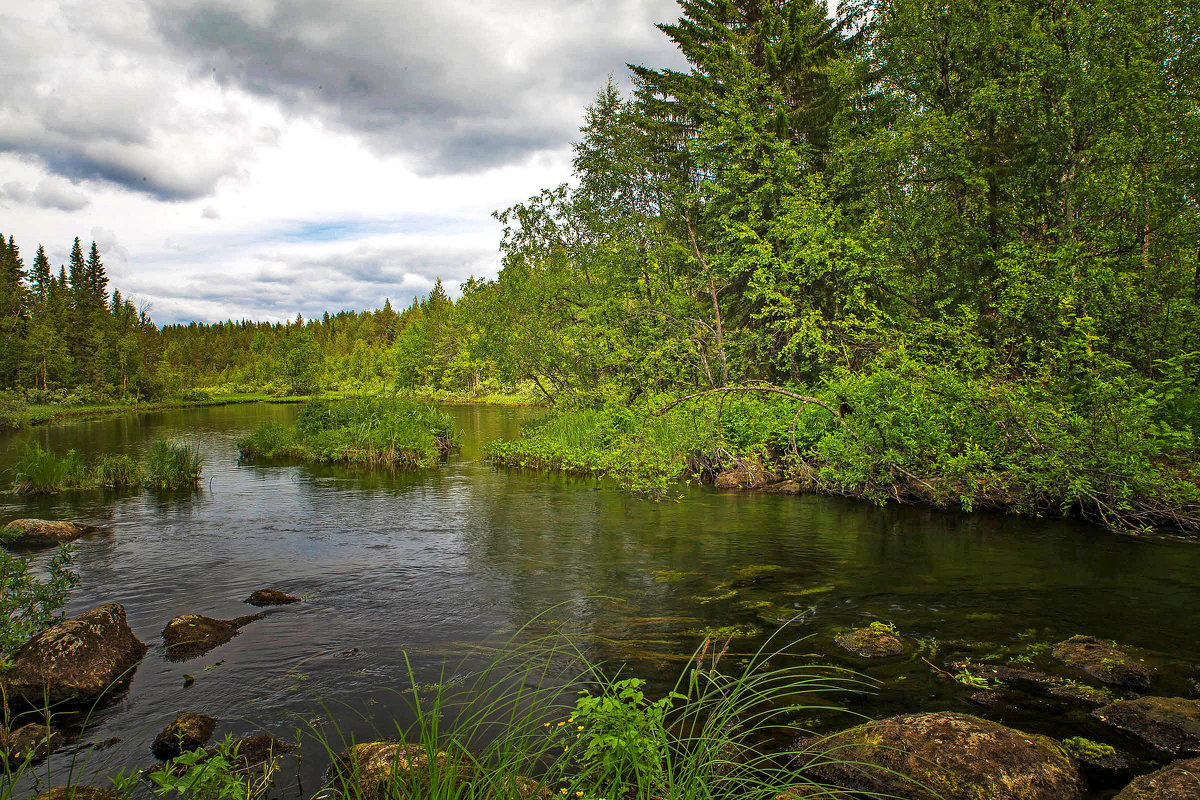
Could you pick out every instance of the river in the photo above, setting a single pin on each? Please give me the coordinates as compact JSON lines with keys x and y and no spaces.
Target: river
{"x":434,"y":565}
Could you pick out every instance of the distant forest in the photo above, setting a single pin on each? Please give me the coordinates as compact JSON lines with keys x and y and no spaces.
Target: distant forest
{"x":973,"y":227}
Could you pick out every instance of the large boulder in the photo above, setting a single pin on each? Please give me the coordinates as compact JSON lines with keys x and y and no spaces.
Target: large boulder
{"x":1178,"y":781}
{"x":1167,"y":724}
{"x":191,"y":635}
{"x":42,"y":532}
{"x":76,"y":661}
{"x":1103,"y":661}
{"x":270,"y":597}
{"x":186,"y":732}
{"x":877,"y":640}
{"x":942,"y":756}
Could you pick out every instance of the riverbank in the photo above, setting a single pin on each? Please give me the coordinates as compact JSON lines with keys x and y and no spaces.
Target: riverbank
{"x":949,"y":456}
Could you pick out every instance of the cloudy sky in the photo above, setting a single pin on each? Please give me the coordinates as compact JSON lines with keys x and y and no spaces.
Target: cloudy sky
{"x":259,"y":158}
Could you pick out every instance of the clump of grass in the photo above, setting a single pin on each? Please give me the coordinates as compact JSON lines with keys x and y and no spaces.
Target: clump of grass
{"x":118,"y":472}
{"x":396,"y":432}
{"x":39,"y":471}
{"x":173,"y":466}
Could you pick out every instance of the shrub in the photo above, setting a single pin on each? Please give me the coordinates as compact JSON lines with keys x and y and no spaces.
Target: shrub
{"x":39,"y":471}
{"x":13,"y":413}
{"x":27,"y":604}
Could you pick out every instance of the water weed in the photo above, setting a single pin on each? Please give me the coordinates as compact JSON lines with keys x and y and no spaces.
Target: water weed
{"x":173,"y":466}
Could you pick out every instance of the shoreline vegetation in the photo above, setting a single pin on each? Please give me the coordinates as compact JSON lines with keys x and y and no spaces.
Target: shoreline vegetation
{"x":381,"y":431}
{"x":169,"y":466}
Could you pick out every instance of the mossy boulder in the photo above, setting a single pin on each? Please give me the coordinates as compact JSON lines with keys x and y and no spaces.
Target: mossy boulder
{"x":42,"y":532}
{"x":811,"y":791}
{"x":257,"y":749}
{"x":1103,"y":661}
{"x":369,"y":771}
{"x":1178,"y":781}
{"x":942,"y":756}
{"x":1167,"y":724}
{"x":1101,"y":763}
{"x":877,"y":640}
{"x":749,"y":475}
{"x":185,"y":733}
{"x":1090,"y":695}
{"x":78,"y":793}
{"x":270,"y":597}
{"x":784,"y":487}
{"x":191,"y":635}
{"x":32,"y":742}
{"x":1000,"y":673}
{"x":77,"y":661}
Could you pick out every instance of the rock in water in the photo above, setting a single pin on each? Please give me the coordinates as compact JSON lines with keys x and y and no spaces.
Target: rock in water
{"x":942,"y":756}
{"x":31,"y":742}
{"x":42,"y":532}
{"x":192,"y":635}
{"x":78,"y":793}
{"x":1168,"y":724}
{"x":874,"y":641}
{"x":1178,"y":781}
{"x":270,"y":597}
{"x":1103,"y":661}
{"x":76,"y":661}
{"x":186,"y":732}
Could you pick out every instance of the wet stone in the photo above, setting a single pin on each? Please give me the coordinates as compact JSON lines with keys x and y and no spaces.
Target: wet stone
{"x":874,"y":641}
{"x":32,"y":742}
{"x":1103,"y":661}
{"x":270,"y":597}
{"x":1178,"y":781}
{"x":192,"y":635}
{"x":1167,"y":724}
{"x":187,"y":732}
{"x":42,"y":532}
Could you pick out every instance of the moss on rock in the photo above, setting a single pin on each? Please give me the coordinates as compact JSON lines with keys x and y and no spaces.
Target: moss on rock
{"x":31,"y":742}
{"x":42,"y":532}
{"x":78,"y":793}
{"x":77,"y":661}
{"x":1103,"y":661}
{"x":1178,"y":781}
{"x":942,"y":756}
{"x":877,"y":640}
{"x":1167,"y":724}
{"x":270,"y":597}
{"x":186,"y":732}
{"x":191,"y":635}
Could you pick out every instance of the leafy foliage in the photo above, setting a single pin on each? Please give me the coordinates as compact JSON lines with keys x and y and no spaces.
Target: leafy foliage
{"x":27,"y":603}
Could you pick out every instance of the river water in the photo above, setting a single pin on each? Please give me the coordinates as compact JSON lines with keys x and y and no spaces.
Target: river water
{"x":433,"y":565}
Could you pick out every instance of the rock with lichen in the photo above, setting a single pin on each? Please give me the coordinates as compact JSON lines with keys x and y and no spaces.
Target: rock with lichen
{"x":42,"y":532}
{"x":1178,"y":781}
{"x":30,"y":743}
{"x":941,"y":756}
{"x":1103,"y":661}
{"x":270,"y":597}
{"x":78,"y":793}
{"x":186,"y":732}
{"x":1167,"y":724}
{"x":78,"y":661}
{"x":191,"y":635}
{"x":877,"y":640}
{"x":375,"y":770}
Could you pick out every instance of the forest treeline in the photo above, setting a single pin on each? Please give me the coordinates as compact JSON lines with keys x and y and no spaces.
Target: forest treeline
{"x":963,"y":238}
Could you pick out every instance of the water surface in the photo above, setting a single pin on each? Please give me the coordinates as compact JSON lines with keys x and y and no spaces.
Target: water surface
{"x":436,"y":563}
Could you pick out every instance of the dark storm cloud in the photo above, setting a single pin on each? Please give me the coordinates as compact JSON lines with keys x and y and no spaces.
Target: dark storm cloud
{"x":454,"y":86}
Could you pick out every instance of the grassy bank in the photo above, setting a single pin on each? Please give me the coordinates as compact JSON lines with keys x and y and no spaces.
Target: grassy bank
{"x":924,"y":438}
{"x":167,"y":466}
{"x":395,"y":432}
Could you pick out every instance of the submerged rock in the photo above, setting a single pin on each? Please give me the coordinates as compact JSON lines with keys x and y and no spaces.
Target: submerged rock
{"x":1084,"y":694}
{"x":270,"y":597}
{"x":257,"y":749}
{"x":186,"y":732}
{"x":1003,"y":674}
{"x":785,"y":487}
{"x":1168,"y":724}
{"x":1178,"y":781}
{"x":192,"y":635}
{"x":1103,"y":661}
{"x":32,"y":742}
{"x":76,"y":661}
{"x":942,"y":756}
{"x":874,"y":641}
{"x":42,"y":532}
{"x":78,"y":793}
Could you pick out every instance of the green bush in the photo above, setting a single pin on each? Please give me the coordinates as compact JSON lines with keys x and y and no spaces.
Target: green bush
{"x":28,"y":604}
{"x":39,"y":471}
{"x":14,"y":414}
{"x":173,"y":466}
